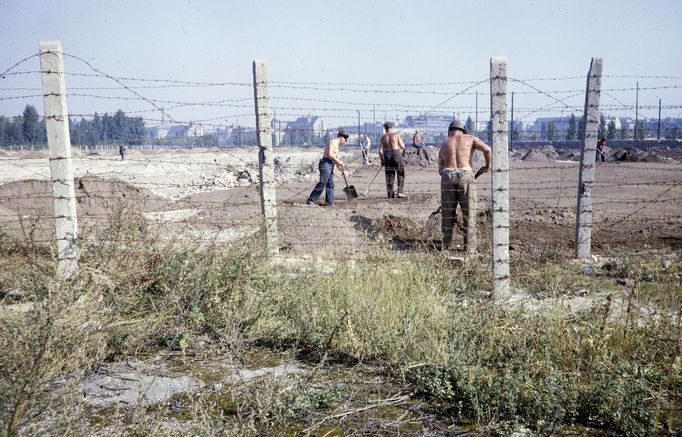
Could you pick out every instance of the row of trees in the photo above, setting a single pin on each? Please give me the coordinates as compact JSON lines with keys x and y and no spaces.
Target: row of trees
{"x":29,"y":129}
{"x":575,"y":131}
{"x":117,"y":128}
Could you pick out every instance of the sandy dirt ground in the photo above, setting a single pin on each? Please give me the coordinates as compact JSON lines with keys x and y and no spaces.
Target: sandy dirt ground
{"x":212,"y":195}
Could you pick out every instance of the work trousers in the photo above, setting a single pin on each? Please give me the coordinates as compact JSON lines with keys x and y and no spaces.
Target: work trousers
{"x":458,"y":187}
{"x":393,"y":163}
{"x":326,"y":183}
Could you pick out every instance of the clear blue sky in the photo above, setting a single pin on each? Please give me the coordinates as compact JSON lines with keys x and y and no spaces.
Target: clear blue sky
{"x":389,"y":42}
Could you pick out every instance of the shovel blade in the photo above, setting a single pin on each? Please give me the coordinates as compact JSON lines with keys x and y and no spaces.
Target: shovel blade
{"x":351,"y":192}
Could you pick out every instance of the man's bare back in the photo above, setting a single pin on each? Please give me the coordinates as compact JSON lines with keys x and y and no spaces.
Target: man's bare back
{"x":391,"y":141}
{"x":458,"y":152}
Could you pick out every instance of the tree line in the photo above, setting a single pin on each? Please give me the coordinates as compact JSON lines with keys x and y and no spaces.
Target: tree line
{"x":29,"y":129}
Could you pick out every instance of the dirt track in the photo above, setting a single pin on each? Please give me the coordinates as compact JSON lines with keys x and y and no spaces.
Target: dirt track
{"x":214,"y":196}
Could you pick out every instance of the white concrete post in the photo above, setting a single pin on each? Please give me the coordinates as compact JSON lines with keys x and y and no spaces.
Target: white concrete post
{"x":268,"y":197}
{"x":583,"y":228}
{"x":61,"y":171}
{"x":500,"y":175}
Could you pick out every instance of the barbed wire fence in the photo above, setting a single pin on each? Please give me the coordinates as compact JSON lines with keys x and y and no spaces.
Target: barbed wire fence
{"x":214,"y":198}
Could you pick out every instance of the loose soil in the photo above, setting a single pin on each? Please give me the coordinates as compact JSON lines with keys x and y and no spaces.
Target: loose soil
{"x":205,"y":193}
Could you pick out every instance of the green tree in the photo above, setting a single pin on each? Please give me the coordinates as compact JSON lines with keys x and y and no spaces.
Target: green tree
{"x":30,"y":125}
{"x":136,"y":131}
{"x":3,"y":124}
{"x":571,"y":134}
{"x":13,"y":131}
{"x":581,"y":129}
{"x":611,"y":133}
{"x":551,"y":131}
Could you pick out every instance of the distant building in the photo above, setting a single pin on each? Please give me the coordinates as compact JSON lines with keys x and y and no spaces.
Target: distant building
{"x":310,"y":123}
{"x":429,"y":125}
{"x":184,"y":131}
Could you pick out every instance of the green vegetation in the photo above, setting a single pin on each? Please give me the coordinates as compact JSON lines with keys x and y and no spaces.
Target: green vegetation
{"x":613,"y":363}
{"x":29,"y":129}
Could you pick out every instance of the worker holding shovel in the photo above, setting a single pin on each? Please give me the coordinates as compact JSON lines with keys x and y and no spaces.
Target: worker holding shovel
{"x":458,"y":186}
{"x":326,"y":166}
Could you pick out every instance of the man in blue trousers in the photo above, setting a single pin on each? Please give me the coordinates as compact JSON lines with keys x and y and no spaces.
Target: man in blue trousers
{"x":326,"y":166}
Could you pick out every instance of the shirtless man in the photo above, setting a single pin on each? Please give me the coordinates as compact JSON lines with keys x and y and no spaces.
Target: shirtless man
{"x":418,"y":143}
{"x":326,"y":166}
{"x":391,"y":149}
{"x":457,"y":183}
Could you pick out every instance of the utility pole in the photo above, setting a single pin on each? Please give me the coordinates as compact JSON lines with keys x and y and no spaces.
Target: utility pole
{"x":374,"y":122}
{"x":511,"y":137}
{"x":637,"y":112}
{"x":358,"y":125}
{"x":239,"y":134}
{"x":476,"y":128}
{"x":658,"y":131}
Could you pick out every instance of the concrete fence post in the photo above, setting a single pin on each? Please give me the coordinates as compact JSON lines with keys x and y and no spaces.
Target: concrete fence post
{"x":268,"y":197}
{"x":583,"y":228}
{"x":500,"y":175}
{"x":61,"y":170}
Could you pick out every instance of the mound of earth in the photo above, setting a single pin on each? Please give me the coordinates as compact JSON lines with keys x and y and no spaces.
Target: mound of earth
{"x":569,"y":155}
{"x":399,"y":227}
{"x":95,"y":197}
{"x":134,"y":152}
{"x":412,"y":158}
{"x":36,"y":155}
{"x":517,"y":154}
{"x":549,"y":150}
{"x":634,"y":154}
{"x":536,"y":156}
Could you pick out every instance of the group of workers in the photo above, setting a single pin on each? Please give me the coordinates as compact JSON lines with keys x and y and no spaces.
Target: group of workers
{"x":455,"y":158}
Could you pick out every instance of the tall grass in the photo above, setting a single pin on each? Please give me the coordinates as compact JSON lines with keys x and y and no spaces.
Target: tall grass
{"x":614,"y":365}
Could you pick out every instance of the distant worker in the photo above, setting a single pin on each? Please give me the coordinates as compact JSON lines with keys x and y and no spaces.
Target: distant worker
{"x":600,"y":149}
{"x":458,"y":186}
{"x":365,"y":143}
{"x":326,"y":166}
{"x":391,"y":149}
{"x":418,"y":143}
{"x":122,"y":150}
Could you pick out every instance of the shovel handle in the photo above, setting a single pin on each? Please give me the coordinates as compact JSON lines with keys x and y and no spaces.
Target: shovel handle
{"x":344,"y":175}
{"x":372,"y":181}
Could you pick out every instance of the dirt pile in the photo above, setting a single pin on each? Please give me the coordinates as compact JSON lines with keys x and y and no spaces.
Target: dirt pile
{"x":95,"y":197}
{"x":411,"y":157}
{"x":36,"y":155}
{"x":400,"y":228}
{"x":634,"y":154}
{"x":134,"y":152}
{"x":536,"y":156}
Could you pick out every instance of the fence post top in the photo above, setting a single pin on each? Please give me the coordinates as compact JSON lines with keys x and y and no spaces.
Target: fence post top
{"x":50,"y":46}
{"x":498,"y":60}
